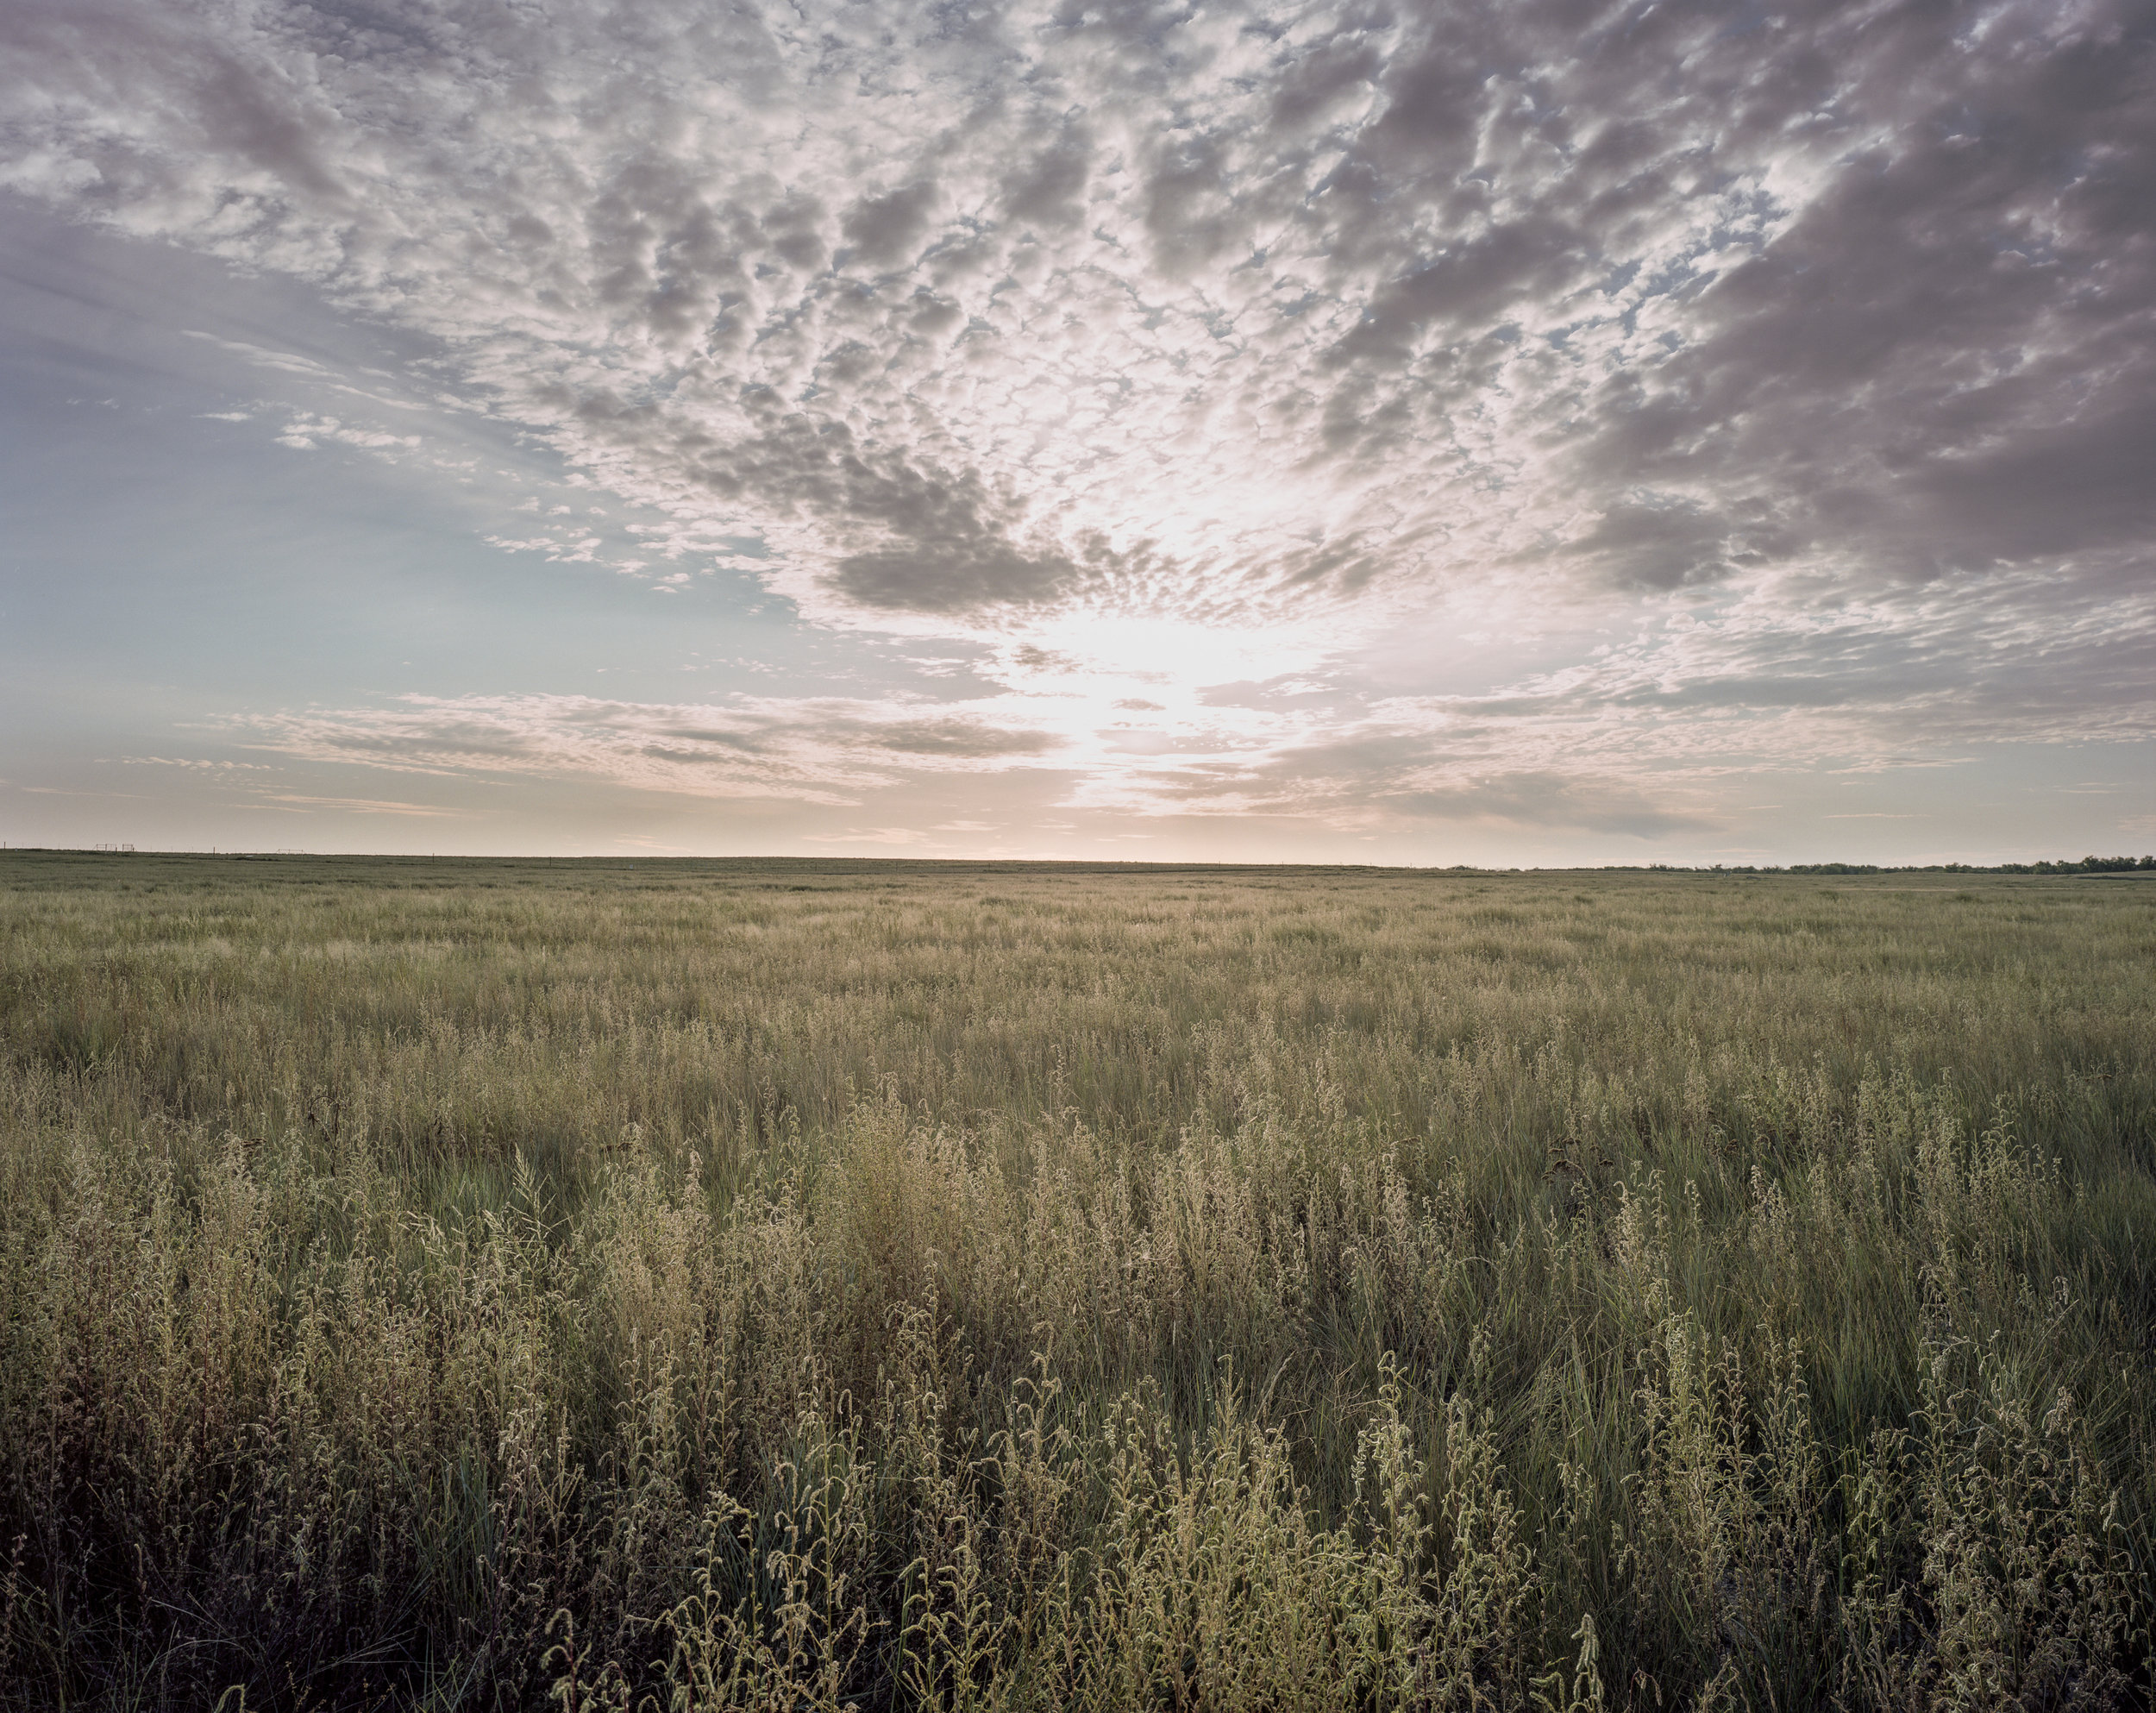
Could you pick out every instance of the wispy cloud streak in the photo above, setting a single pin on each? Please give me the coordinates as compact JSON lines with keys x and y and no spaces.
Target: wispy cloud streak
{"x":815,"y":750}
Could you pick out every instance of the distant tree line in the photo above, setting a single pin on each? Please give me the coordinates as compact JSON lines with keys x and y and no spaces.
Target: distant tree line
{"x":2087,"y":865}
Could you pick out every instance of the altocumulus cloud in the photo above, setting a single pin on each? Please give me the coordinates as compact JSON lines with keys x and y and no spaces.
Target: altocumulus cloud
{"x":1812,"y":346}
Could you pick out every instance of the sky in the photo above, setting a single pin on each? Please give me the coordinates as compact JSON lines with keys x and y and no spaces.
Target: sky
{"x":1532,"y":432}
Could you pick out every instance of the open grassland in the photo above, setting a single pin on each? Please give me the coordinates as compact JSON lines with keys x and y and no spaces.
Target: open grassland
{"x":780,"y":1285}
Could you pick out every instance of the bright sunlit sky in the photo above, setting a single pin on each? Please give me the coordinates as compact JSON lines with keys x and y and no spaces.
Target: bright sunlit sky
{"x":1525,"y":432}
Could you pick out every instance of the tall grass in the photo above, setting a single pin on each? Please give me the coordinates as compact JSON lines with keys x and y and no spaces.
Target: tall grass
{"x":795,"y":1285}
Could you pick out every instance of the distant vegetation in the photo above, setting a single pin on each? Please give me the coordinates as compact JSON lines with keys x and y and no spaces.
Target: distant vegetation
{"x":785,"y":1285}
{"x":2087,"y":865}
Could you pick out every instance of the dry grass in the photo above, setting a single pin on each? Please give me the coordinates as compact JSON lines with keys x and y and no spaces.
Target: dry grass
{"x":788,"y":1285}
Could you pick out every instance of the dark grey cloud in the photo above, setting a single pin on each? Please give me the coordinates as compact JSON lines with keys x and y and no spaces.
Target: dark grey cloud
{"x":961,"y":738}
{"x":889,"y":227}
{"x":1046,"y":188}
{"x":1943,"y":361}
{"x":1548,"y":800}
{"x":955,"y":573}
{"x":1657,"y":546}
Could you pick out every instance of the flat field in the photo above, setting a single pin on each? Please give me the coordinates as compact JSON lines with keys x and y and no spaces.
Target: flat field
{"x":788,"y":1285}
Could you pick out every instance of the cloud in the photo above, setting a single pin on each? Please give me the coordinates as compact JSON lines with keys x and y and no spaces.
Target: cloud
{"x":1821,"y":330}
{"x":823,"y":750}
{"x":304,"y":433}
{"x":1541,"y":800}
{"x":300,"y":803}
{"x":960,"y":738}
{"x":1797,"y":674}
{"x":897,"y":836}
{"x":889,"y":227}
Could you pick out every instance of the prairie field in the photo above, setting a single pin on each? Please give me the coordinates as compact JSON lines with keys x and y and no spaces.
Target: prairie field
{"x":796,"y":1285}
